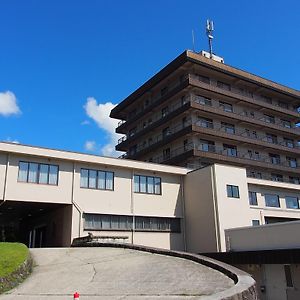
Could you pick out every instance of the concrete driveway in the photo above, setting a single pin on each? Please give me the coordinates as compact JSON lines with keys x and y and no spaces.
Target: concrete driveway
{"x":112,"y":273}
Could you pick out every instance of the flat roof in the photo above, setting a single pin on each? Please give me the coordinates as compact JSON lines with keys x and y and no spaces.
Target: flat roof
{"x":197,"y":58}
{"x":7,"y":147}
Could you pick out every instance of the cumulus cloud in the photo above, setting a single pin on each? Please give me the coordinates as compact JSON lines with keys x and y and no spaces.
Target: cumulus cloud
{"x":90,"y":145}
{"x":100,"y":114}
{"x":12,"y":141}
{"x":8,"y":104}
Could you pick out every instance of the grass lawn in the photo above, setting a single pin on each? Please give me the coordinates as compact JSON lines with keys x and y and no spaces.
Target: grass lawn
{"x":12,"y":255}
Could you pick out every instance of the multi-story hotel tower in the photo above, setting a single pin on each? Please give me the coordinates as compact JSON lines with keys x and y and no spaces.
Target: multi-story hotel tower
{"x":197,"y":111}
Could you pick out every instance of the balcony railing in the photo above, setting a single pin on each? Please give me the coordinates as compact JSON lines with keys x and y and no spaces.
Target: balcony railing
{"x":159,"y":116}
{"x":246,"y":94}
{"x":203,"y":101}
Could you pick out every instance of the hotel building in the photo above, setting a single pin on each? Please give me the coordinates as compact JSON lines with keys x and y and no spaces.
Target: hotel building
{"x":198,"y":111}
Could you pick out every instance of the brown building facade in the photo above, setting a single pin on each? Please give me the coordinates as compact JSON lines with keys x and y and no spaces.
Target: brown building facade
{"x":197,"y":111}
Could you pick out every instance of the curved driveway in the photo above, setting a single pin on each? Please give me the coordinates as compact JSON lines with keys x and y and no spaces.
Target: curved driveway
{"x":112,"y":273}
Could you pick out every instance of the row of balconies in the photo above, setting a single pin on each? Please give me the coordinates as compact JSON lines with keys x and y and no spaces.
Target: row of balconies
{"x":206,"y":105}
{"x":194,"y":80}
{"x":228,"y":153}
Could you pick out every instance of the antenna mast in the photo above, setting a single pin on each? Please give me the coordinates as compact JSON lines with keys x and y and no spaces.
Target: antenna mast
{"x":209,"y":33}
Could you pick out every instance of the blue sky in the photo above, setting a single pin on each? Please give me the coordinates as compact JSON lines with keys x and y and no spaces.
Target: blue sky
{"x":63,"y":62}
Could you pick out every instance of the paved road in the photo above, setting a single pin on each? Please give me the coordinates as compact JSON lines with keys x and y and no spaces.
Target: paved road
{"x":111,"y":273}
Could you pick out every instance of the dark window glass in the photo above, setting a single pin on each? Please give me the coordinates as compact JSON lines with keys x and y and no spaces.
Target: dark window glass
{"x":93,"y":179}
{"x":147,"y":184}
{"x":272,"y":200}
{"x":288,"y":276}
{"x":292,"y":202}
{"x":255,"y":223}
{"x":252,"y":198}
{"x":233,"y":191}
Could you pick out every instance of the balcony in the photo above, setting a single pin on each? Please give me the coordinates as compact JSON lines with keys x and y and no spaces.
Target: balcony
{"x":160,"y":140}
{"x":157,"y":120}
{"x":213,"y":154}
{"x":226,"y":133}
{"x":194,"y":80}
{"x":198,"y":103}
{"x":155,"y":101}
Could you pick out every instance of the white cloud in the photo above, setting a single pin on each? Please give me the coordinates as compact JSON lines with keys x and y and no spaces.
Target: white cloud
{"x":100,"y":114}
{"x":8,"y":104}
{"x":90,"y":145}
{"x":85,"y":122}
{"x":12,"y":141}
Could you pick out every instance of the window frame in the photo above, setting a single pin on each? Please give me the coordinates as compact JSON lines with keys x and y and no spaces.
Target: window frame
{"x":278,"y":201}
{"x":37,"y":179}
{"x":251,"y":200}
{"x":230,"y":191}
{"x":286,"y":202}
{"x":97,"y":180}
{"x":154,"y":184}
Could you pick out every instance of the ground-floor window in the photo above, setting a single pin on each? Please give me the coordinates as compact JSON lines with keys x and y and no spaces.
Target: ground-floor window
{"x":117,"y":222}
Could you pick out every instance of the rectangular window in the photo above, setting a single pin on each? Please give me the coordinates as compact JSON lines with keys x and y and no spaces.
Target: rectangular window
{"x":283,"y":104}
{"x":207,"y":146}
{"x":233,"y":191}
{"x":230,"y":150}
{"x":229,"y":128}
{"x":292,"y":162}
{"x":272,"y":200}
{"x":226,"y":106}
{"x":147,"y":184}
{"x":288,"y":276}
{"x":269,"y":119}
{"x":93,"y":179}
{"x":277,"y":177}
{"x":203,"y":100}
{"x":204,"y":122}
{"x":255,"y":223}
{"x":44,"y":173}
{"x":292,"y":202}
{"x":286,"y":123}
{"x":294,"y":180}
{"x":267,"y":99}
{"x":271,"y":138}
{"x":274,"y":158}
{"x":252,"y":198}
{"x":116,"y":222}
{"x":223,"y":85}
{"x":288,"y":142}
{"x":23,"y":171}
{"x":204,"y":79}
{"x":38,"y":173}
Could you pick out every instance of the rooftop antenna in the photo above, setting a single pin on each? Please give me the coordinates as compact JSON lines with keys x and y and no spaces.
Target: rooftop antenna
{"x":209,"y":33}
{"x":193,"y":39}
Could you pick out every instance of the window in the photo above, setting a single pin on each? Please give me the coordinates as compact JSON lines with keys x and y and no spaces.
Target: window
{"x":226,"y":106}
{"x":292,"y":162}
{"x":223,"y":85}
{"x":269,"y":119}
{"x":147,"y":184}
{"x":283,"y":104}
{"x":166,"y":132}
{"x":202,"y":100}
{"x":292,"y":202}
{"x":274,"y":158}
{"x":38,"y":173}
{"x":229,"y":128}
{"x":288,"y":142}
{"x":294,"y":180}
{"x":267,"y":99}
{"x":157,"y":224}
{"x":230,"y":150}
{"x":185,"y":145}
{"x":252,"y":198}
{"x":272,"y":200}
{"x":121,"y":222}
{"x":204,"y":79}
{"x":288,"y":276}
{"x":164,"y":111}
{"x":253,"y":154}
{"x":233,"y":191}
{"x":166,"y":153}
{"x":164,"y":90}
{"x":286,"y":123}
{"x":207,"y":146}
{"x":204,"y":122}
{"x":277,"y":177}
{"x":255,"y":223}
{"x":271,"y":138}
{"x":93,"y":179}
{"x":133,"y":150}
